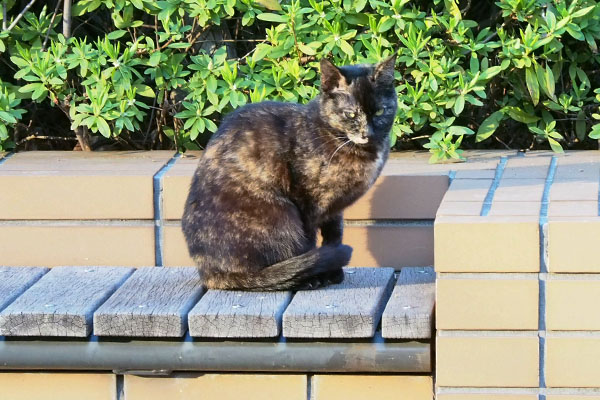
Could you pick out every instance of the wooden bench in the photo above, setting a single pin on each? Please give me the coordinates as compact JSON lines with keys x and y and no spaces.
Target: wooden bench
{"x":158,"y":320}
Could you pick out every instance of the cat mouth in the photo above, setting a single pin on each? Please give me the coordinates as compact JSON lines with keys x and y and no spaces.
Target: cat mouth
{"x":358,"y":139}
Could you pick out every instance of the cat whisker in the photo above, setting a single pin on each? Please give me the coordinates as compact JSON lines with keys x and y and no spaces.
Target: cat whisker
{"x":336,"y":150}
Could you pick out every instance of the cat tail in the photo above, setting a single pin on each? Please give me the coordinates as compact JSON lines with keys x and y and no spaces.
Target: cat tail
{"x":294,"y":272}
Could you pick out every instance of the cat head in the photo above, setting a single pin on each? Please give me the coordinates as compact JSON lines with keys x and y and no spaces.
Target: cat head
{"x":359,"y":100}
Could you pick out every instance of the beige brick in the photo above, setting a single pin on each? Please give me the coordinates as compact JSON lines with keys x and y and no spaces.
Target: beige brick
{"x":573,"y":209}
{"x":465,"y":304}
{"x":468,"y":190}
{"x":374,"y":245}
{"x":571,"y":397}
{"x":487,"y":361}
{"x":141,"y":161}
{"x":571,"y":244}
{"x":485,"y":396}
{"x":475,"y":174}
{"x":573,"y":190}
{"x":527,"y":167}
{"x":487,"y":244}
{"x":362,"y":387}
{"x":515,"y":208}
{"x":80,"y":185}
{"x":400,"y":197}
{"x":571,"y":305}
{"x":216,"y":387}
{"x":519,"y":190}
{"x":460,"y":208}
{"x":572,"y":361}
{"x":76,"y":195}
{"x":57,"y":386}
{"x":46,"y":244}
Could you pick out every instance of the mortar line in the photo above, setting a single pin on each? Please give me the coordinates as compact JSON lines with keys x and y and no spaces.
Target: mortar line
{"x":157,"y":186}
{"x":489,"y":198}
{"x":543,"y":221}
{"x":451,"y":176}
{"x":6,"y":157}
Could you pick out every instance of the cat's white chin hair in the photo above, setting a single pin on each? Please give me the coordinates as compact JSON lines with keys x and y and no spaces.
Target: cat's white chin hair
{"x":359,"y":140}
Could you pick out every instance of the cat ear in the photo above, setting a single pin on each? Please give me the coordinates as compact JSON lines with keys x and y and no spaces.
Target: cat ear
{"x":331,"y":77}
{"x":384,"y":71}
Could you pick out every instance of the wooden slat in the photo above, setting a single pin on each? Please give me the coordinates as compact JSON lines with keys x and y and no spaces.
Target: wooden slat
{"x":15,"y":280}
{"x":409,"y":312}
{"x":152,"y":303}
{"x":61,"y":303}
{"x":235,"y":314}
{"x":351,"y":309}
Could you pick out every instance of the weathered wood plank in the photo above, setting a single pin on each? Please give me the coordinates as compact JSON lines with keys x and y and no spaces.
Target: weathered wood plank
{"x":61,"y":303}
{"x":409,"y":312}
{"x":15,"y":280}
{"x":351,"y":309}
{"x":152,"y":303}
{"x":235,"y":314}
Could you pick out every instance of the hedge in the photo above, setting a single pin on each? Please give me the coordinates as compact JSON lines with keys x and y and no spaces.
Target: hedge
{"x":141,"y":74}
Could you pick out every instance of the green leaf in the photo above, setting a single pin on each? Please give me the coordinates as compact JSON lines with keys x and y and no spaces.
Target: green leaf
{"x":306,"y":50}
{"x":459,"y":105}
{"x":518,"y":114}
{"x":360,"y":5}
{"x":532,"y":85}
{"x":346,"y":48}
{"x":549,"y":85}
{"x":103,"y":127}
{"x":144,"y":90}
{"x":7,"y":117}
{"x":555,"y":146}
{"x":489,"y":126}
{"x":582,"y":12}
{"x":154,"y":59}
{"x":580,"y":126}
{"x":489,"y":73}
{"x":460,"y":130}
{"x":595,"y":133}
{"x":116,"y":34}
{"x":270,"y":17}
{"x":269,"y":4}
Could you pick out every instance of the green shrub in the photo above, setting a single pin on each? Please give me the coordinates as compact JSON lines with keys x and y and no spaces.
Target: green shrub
{"x":160,"y":74}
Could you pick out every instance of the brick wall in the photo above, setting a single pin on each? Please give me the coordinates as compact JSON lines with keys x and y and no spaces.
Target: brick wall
{"x":518,"y":280}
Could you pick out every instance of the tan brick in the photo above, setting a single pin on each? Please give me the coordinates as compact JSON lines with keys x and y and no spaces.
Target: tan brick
{"x":468,"y":190}
{"x":475,"y":174}
{"x":400,"y":197}
{"x":571,"y":244}
{"x":572,"y":361}
{"x":573,"y":190}
{"x":361,"y":387}
{"x":527,"y":167}
{"x":141,"y":161}
{"x":571,"y":397}
{"x":57,"y":386}
{"x":76,"y":195}
{"x":460,"y":208}
{"x":571,"y":305}
{"x":46,"y":244}
{"x":216,"y":387}
{"x":485,"y":396}
{"x":175,"y":251}
{"x":374,"y":245}
{"x":515,"y":208}
{"x":80,"y":185}
{"x":487,"y":361}
{"x":573,"y":209}
{"x":519,"y":190}
{"x":487,"y":244}
{"x":465,"y":304}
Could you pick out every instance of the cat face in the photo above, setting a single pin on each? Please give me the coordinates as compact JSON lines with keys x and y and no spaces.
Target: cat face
{"x":359,"y":101}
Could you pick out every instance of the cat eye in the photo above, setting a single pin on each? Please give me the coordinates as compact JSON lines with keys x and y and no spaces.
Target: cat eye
{"x":379,"y":112}
{"x":350,"y":114}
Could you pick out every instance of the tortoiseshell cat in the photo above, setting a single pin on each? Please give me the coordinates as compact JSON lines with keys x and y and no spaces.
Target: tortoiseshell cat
{"x":276,"y":173}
